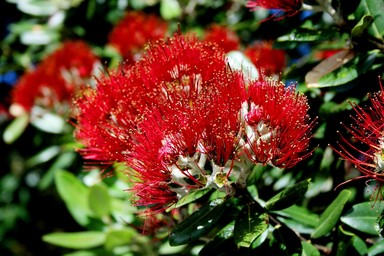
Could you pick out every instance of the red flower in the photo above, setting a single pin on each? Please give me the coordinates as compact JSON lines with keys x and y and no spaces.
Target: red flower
{"x":270,"y":61}
{"x":134,"y":31}
{"x":367,"y":130}
{"x":55,"y":80}
{"x":289,"y":7}
{"x":277,"y":124}
{"x":223,"y":36}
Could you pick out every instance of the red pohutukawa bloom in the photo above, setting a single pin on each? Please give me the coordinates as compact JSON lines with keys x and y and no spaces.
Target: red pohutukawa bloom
{"x":55,"y":80}
{"x":368,"y":130}
{"x":289,"y":7}
{"x":223,"y":36}
{"x":270,"y":61}
{"x":182,"y":120}
{"x":134,"y":31}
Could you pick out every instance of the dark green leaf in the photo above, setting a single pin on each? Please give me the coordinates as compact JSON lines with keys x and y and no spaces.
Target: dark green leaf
{"x":288,"y":196}
{"x":15,"y":128}
{"x":190,"y":197}
{"x":99,"y":201}
{"x":198,"y":224}
{"x":362,"y":25}
{"x":76,"y":240}
{"x":308,"y":35}
{"x":220,"y":238}
{"x":250,"y":223}
{"x":288,"y":240}
{"x":375,"y":9}
{"x":74,"y":194}
{"x":363,"y":217}
{"x":331,"y":215}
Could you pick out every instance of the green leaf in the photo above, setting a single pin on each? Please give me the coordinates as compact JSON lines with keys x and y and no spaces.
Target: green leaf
{"x":99,"y":201}
{"x":288,"y":240}
{"x":46,"y":121}
{"x":76,"y":240}
{"x":119,"y":237}
{"x":43,"y":156}
{"x":376,"y":249}
{"x":309,"y":249}
{"x":82,"y":253}
{"x":193,"y":196}
{"x":37,"y":7}
{"x":288,"y":196}
{"x":363,"y":217}
{"x":300,"y":214}
{"x":375,"y":9}
{"x":170,"y":9}
{"x":74,"y":194}
{"x":219,"y":240}
{"x":15,"y":128}
{"x":347,"y":72}
{"x":359,"y":245}
{"x":308,"y":35}
{"x":331,"y":215}
{"x":250,"y":223}
{"x":362,"y":25}
{"x":198,"y":224}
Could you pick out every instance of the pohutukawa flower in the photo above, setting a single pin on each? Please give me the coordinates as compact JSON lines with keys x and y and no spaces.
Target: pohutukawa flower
{"x":56,"y":79}
{"x":223,"y":36}
{"x":368,"y":130}
{"x":176,"y":119}
{"x":134,"y":31}
{"x":288,"y":7}
{"x":270,"y":61}
{"x":277,"y":125}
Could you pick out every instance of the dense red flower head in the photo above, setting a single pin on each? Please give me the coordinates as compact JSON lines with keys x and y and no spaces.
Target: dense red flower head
{"x":134,"y":31}
{"x":277,"y":124}
{"x":289,"y":7}
{"x":268,"y":60}
{"x":56,"y":79}
{"x":223,"y":36}
{"x":368,"y":130}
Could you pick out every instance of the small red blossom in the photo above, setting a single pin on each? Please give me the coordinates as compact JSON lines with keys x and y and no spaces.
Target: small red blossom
{"x":278,"y":127}
{"x":134,"y":31}
{"x":266,"y":59}
{"x":289,"y":7}
{"x":368,"y":130}
{"x":223,"y":36}
{"x":55,"y":80}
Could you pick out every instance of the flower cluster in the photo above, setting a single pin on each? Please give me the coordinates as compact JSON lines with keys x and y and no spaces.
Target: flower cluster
{"x":181,"y":119}
{"x":223,"y":36}
{"x":134,"y":31}
{"x":52,"y":84}
{"x":289,"y":7}
{"x":368,"y":130}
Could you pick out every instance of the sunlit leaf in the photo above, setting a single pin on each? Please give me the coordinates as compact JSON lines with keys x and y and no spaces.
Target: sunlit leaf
{"x":118,"y":237}
{"x":308,"y":35}
{"x":170,"y":9}
{"x":375,"y":9}
{"x":43,"y":156}
{"x":362,"y":25}
{"x":74,"y":194}
{"x":376,"y":249}
{"x":37,"y":7}
{"x":331,"y":215}
{"x":288,"y":196}
{"x":76,"y":240}
{"x":363,"y":217}
{"x":300,"y":214}
{"x":99,"y":201}
{"x":250,"y":223}
{"x":192,"y":196}
{"x":198,"y":224}
{"x":309,"y":249}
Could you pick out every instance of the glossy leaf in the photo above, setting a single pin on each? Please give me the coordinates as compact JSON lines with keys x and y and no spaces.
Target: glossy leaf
{"x":300,"y":214}
{"x":250,"y":223}
{"x":308,"y":35}
{"x":375,"y":9}
{"x":376,"y":249}
{"x":363,"y":217}
{"x":74,"y":194}
{"x":76,"y":240}
{"x":192,"y":196}
{"x":220,"y":238}
{"x":198,"y":224}
{"x":288,"y":196}
{"x":289,"y":241}
{"x":15,"y":128}
{"x":331,"y":215}
{"x":99,"y":201}
{"x":362,"y":25}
